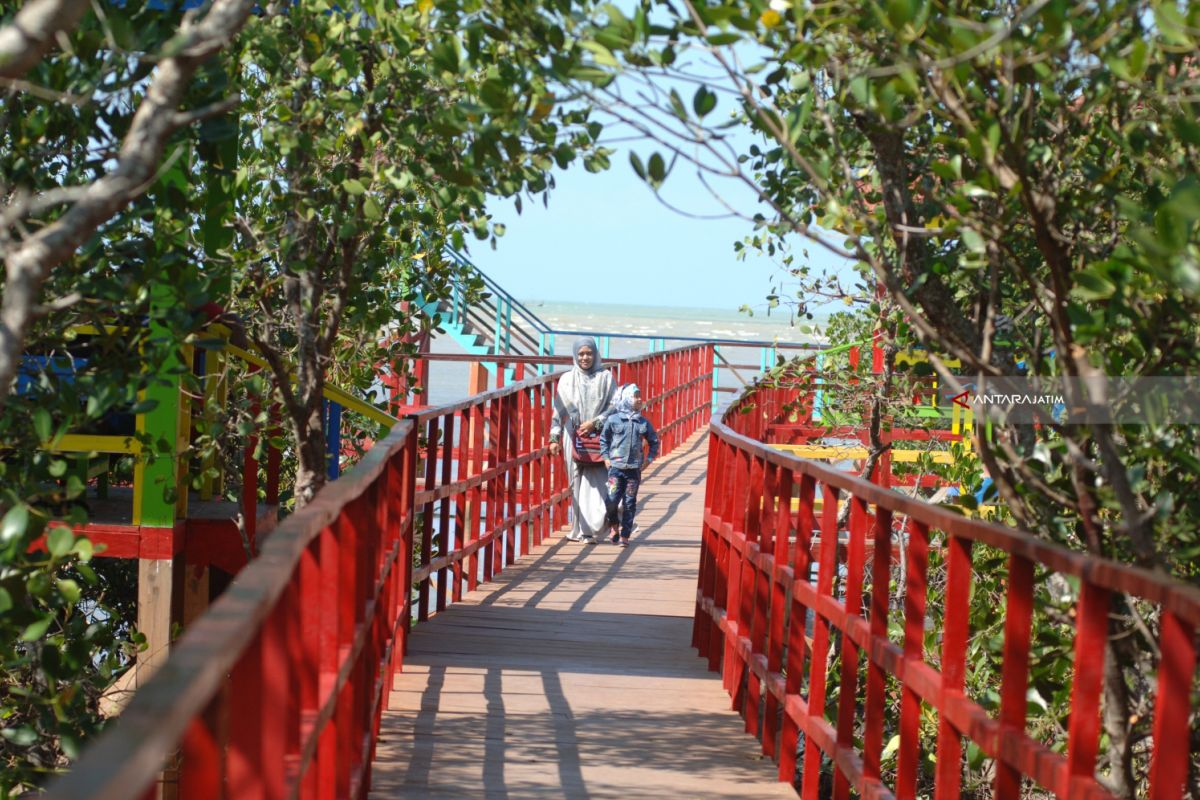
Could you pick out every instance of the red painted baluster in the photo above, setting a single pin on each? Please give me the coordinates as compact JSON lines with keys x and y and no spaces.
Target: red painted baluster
{"x":475,"y":522}
{"x":848,"y":688}
{"x":244,"y":776}
{"x":1172,"y":708}
{"x":491,"y":559}
{"x":797,"y":644}
{"x":307,"y":676}
{"x":525,"y":496}
{"x":461,"y":449}
{"x":724,"y":500}
{"x":431,"y":447}
{"x":735,"y":620}
{"x":704,"y":573}
{"x":881,"y":575}
{"x":408,"y":482}
{"x":542,"y":475}
{"x":344,"y":745}
{"x":753,"y":615}
{"x":955,"y":633}
{"x":778,"y":526}
{"x":820,"y":647}
{"x":202,"y":761}
{"x":348,"y":585}
{"x":713,"y":575}
{"x":443,"y":529}
{"x":1083,"y":731}
{"x":275,"y":703}
{"x":511,"y":474}
{"x":1014,"y":681}
{"x":916,"y":597}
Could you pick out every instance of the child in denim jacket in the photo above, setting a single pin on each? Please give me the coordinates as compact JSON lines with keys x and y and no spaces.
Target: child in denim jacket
{"x":621,"y":445}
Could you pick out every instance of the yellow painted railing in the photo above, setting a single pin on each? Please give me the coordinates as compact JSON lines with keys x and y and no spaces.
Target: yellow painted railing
{"x":838,"y":453}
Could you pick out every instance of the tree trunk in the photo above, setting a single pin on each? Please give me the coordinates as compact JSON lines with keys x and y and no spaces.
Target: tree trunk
{"x":1118,"y":713}
{"x":310,"y":449}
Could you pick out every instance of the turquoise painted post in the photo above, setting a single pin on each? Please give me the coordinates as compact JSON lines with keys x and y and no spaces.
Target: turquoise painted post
{"x":508,"y":325}
{"x":540,"y":367}
{"x":496,"y":325}
{"x":716,"y":377}
{"x":605,"y":342}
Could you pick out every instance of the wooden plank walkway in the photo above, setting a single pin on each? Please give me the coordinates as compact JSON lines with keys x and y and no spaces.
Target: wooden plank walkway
{"x":573,"y":676}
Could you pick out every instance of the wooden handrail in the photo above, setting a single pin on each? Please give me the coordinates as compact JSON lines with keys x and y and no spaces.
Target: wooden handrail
{"x":124,"y":759}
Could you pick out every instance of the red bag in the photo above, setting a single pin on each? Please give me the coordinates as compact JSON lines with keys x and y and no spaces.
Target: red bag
{"x":587,"y":448}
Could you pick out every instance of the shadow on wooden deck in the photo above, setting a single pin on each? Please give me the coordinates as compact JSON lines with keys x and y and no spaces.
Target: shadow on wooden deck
{"x":573,"y":676}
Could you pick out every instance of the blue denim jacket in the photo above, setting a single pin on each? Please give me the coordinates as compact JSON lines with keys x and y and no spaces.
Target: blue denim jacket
{"x":621,"y":441}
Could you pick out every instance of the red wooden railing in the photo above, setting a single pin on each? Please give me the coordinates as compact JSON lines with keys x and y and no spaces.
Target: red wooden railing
{"x":278,"y":690}
{"x":677,"y":386}
{"x":756,"y":599}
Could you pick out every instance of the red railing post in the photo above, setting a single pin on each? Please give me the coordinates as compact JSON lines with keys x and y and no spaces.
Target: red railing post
{"x":1176,"y":673}
{"x":446,"y":454}
{"x":821,"y":634}
{"x":475,"y":522}
{"x":956,"y":631}
{"x":915,"y":597}
{"x":848,"y":687}
{"x":462,"y":450}
{"x":244,"y":776}
{"x":512,"y":452}
{"x":1083,"y":732}
{"x":735,"y":619}
{"x":1018,"y":623}
{"x":754,"y":589}
{"x":876,"y":678}
{"x":431,"y":448}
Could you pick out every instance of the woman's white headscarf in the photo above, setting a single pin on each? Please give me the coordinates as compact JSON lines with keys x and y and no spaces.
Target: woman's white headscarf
{"x":591,"y":393}
{"x":586,"y":341}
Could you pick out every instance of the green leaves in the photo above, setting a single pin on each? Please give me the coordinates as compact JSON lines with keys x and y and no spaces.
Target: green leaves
{"x":43,"y":425}
{"x":654,"y":172}
{"x":60,"y":541}
{"x":1091,"y":284}
{"x":704,"y":101}
{"x":37,"y":629}
{"x":445,"y":54}
{"x":14,"y":523}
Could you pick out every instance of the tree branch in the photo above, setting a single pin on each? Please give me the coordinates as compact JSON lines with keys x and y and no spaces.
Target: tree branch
{"x":28,"y":265}
{"x":33,"y":31}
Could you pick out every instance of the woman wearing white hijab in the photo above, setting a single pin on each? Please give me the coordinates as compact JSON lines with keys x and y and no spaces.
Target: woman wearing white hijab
{"x":582,"y":402}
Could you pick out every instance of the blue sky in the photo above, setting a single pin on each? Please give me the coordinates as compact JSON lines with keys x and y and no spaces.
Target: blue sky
{"x":605,"y":238}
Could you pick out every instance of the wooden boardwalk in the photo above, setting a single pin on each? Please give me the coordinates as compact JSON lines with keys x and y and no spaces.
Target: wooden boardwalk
{"x":573,"y":676}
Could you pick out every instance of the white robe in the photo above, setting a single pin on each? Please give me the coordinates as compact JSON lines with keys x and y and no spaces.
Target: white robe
{"x":589,"y":482}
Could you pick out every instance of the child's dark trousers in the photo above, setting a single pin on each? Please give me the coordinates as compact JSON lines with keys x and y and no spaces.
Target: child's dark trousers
{"x":623,"y":486}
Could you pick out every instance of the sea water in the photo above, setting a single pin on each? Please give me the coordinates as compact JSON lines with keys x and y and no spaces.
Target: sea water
{"x":448,"y":380}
